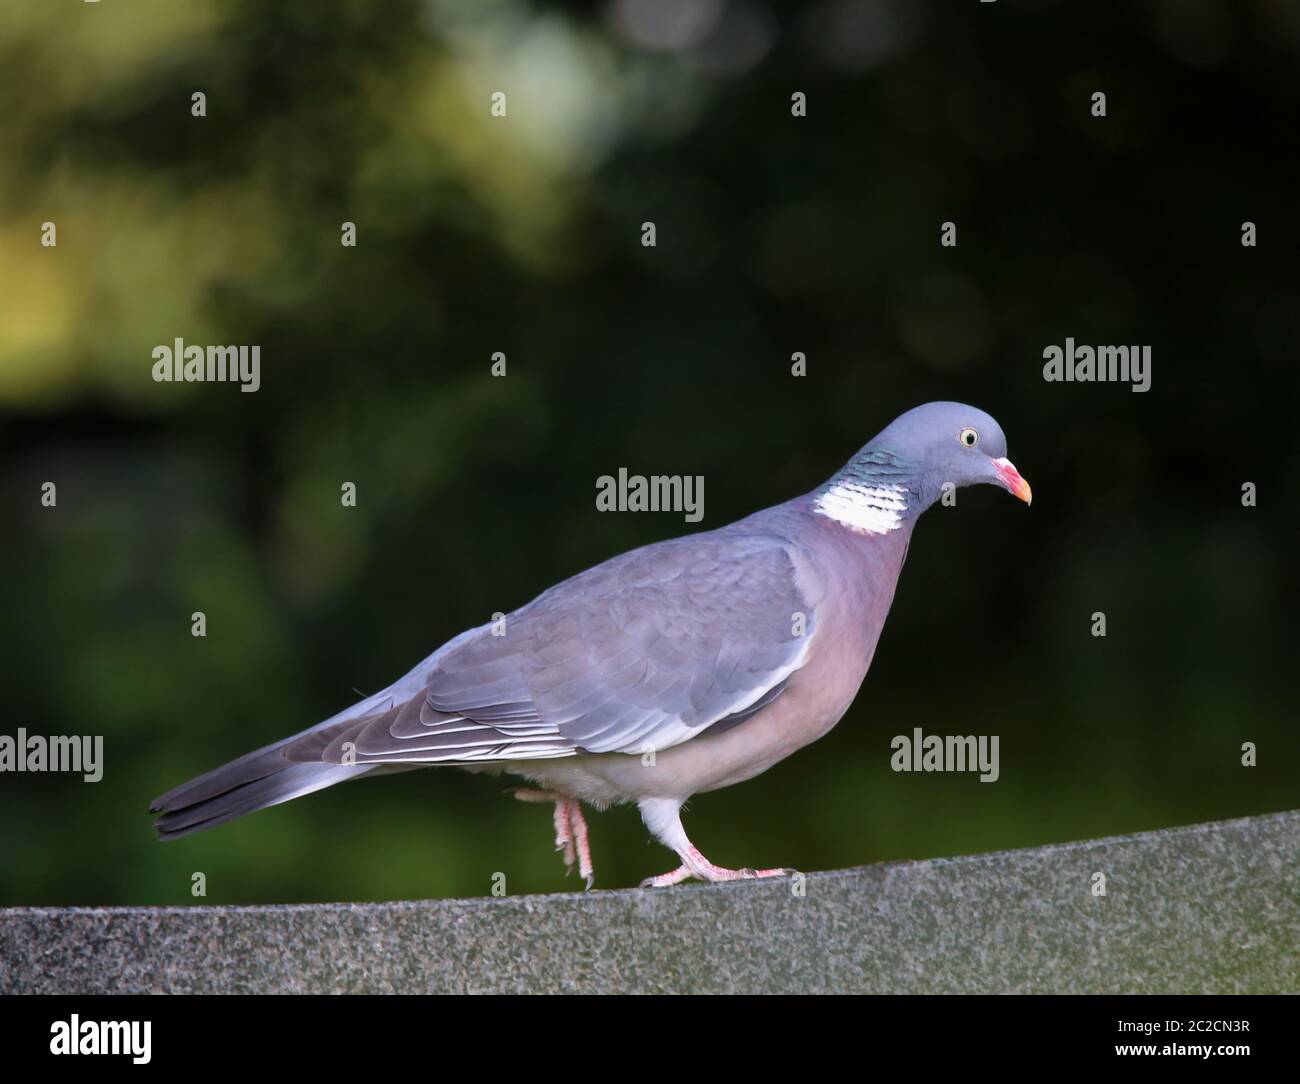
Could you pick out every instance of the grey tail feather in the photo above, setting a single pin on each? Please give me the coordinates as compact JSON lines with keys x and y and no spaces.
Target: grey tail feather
{"x":254,"y":781}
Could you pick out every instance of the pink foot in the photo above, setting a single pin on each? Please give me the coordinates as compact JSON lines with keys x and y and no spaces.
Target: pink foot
{"x":564,"y":834}
{"x":578,"y":824}
{"x":694,"y":864}
{"x":571,"y":836}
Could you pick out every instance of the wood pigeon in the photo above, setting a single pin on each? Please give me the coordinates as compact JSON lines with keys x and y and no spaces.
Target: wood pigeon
{"x":675,"y":669}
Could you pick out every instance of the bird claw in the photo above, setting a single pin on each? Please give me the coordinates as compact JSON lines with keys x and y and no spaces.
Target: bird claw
{"x":702,"y":869}
{"x":664,"y":880}
{"x":571,"y":839}
{"x":564,"y":837}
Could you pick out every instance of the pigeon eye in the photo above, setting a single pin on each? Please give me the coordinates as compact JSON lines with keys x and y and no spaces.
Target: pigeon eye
{"x":969,"y":437}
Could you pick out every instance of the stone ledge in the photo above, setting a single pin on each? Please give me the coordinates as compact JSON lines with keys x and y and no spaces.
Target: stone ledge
{"x":1210,"y":908}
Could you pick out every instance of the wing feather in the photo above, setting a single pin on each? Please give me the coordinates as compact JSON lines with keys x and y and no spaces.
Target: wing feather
{"x":649,"y":649}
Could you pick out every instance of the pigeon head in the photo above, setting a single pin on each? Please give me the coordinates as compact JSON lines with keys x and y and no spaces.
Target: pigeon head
{"x":904,"y":468}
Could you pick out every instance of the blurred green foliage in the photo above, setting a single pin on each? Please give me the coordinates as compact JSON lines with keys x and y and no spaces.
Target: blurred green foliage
{"x":522,"y":234}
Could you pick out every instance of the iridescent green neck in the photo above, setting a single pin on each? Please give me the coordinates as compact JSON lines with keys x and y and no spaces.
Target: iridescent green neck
{"x":873,"y":493}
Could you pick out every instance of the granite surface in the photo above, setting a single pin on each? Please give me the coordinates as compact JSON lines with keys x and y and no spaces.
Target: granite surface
{"x":1205,"y":909}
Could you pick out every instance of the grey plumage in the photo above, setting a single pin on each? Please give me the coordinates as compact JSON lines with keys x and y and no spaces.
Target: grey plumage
{"x":641,"y":652}
{"x":719,"y":653}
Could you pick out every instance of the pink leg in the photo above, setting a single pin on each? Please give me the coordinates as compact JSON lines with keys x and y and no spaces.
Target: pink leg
{"x":578,"y":824}
{"x":696,"y":865}
{"x":571,"y":835}
{"x":664,"y":821}
{"x":702,"y":868}
{"x":564,"y":834}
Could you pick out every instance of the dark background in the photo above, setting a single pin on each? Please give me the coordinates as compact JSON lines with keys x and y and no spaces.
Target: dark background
{"x":522,"y":234}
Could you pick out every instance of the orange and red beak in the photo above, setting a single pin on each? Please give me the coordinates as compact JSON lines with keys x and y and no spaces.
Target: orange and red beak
{"x":1011,"y":480}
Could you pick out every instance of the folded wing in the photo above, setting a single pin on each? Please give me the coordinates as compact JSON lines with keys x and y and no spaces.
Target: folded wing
{"x":642,"y":652}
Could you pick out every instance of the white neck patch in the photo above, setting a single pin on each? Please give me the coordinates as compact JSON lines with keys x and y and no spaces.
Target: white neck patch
{"x":872,"y":509}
